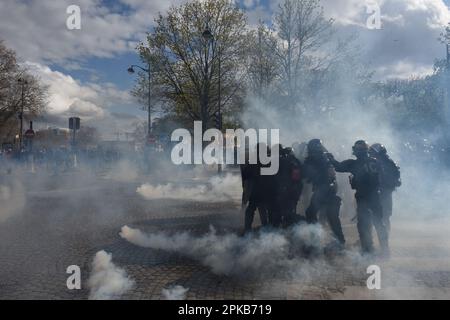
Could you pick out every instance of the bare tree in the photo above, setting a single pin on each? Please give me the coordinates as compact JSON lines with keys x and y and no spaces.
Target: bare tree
{"x":188,"y":68}
{"x":302,"y":31}
{"x":262,"y":63}
{"x":34,"y":93}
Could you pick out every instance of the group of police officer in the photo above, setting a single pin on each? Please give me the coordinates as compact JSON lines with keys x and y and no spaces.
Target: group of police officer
{"x":373,"y":175}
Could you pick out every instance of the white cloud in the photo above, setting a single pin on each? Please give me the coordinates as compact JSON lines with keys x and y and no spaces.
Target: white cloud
{"x":407,"y":41}
{"x":41,"y":35}
{"x":92,"y":102}
{"x":37,"y":30}
{"x":85,"y":109}
{"x":404,"y":70}
{"x":406,"y":45}
{"x":70,"y":95}
{"x":250,"y":3}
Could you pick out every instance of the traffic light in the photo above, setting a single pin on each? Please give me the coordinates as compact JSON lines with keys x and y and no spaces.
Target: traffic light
{"x":74,"y":123}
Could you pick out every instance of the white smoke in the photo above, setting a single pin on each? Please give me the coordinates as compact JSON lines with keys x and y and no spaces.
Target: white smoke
{"x":175,"y":293}
{"x":217,"y":189}
{"x":123,"y":171}
{"x":12,"y":199}
{"x":310,"y":235}
{"x":107,"y":281}
{"x":230,"y":254}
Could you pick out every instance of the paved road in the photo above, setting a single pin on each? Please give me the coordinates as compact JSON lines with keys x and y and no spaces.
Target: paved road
{"x":66,"y":223}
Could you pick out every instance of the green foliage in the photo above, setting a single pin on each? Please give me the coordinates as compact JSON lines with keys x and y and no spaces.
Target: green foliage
{"x":34,"y":94}
{"x":185,"y":66}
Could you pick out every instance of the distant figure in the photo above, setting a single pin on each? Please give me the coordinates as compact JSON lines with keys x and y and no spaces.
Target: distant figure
{"x":319,"y":171}
{"x":390,"y":180}
{"x":365,"y":179}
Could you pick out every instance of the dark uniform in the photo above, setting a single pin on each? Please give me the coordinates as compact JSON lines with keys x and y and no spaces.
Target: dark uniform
{"x":289,"y":186}
{"x":286,"y":187}
{"x":319,"y":171}
{"x":258,"y":192}
{"x":365,"y":179}
{"x":390,"y":180}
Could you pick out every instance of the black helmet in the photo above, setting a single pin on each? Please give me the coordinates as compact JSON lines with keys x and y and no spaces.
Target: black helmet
{"x":278,"y":147}
{"x":288,"y":151}
{"x":360,"y":147}
{"x":315,"y":146}
{"x":378,"y":149}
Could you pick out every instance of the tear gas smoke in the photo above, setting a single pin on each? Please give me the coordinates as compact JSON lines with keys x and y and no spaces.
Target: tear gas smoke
{"x":107,"y":281}
{"x":12,"y":199}
{"x":123,"y":171}
{"x":175,"y":293}
{"x":217,"y":189}
{"x":229,"y":254}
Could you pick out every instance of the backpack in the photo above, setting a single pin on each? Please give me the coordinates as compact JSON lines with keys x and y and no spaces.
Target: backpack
{"x":390,"y":176}
{"x":366,"y":177}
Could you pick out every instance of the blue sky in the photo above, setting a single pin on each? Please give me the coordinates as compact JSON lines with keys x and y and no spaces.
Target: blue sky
{"x":86,"y":69}
{"x":113,"y":69}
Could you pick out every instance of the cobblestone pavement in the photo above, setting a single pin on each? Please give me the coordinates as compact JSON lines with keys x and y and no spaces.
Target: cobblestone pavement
{"x":67,"y":224}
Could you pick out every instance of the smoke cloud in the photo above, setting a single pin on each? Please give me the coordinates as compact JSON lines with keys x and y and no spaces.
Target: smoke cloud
{"x":175,"y":293}
{"x":229,"y":254}
{"x":12,"y":198}
{"x":107,"y":281}
{"x":123,"y":171}
{"x":216,"y":189}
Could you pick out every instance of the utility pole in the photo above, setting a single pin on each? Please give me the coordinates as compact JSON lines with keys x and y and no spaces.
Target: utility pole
{"x":149,"y":95}
{"x":149,"y":100}
{"x":22,"y":82}
{"x":219,"y":167}
{"x":209,"y":38}
{"x":260,"y":53}
{"x":448,"y":55}
{"x":447,"y":78}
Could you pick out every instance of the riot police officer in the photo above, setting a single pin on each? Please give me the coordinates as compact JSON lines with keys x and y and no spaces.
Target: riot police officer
{"x":319,"y":171}
{"x":300,"y":150}
{"x":291,"y":185}
{"x":390,"y":180}
{"x":286,"y":187}
{"x":365,"y":179}
{"x":259,"y":191}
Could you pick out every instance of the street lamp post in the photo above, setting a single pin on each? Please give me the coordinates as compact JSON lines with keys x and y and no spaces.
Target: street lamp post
{"x":447,"y":80}
{"x":219,"y":167}
{"x":131,"y":71}
{"x":448,"y":54}
{"x":208,"y":36}
{"x":22,"y":82}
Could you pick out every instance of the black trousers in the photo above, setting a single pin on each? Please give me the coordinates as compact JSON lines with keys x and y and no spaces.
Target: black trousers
{"x":283,"y":209}
{"x":329,"y":203}
{"x":386,"y":204}
{"x":370,"y":213}
{"x":250,"y":213}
